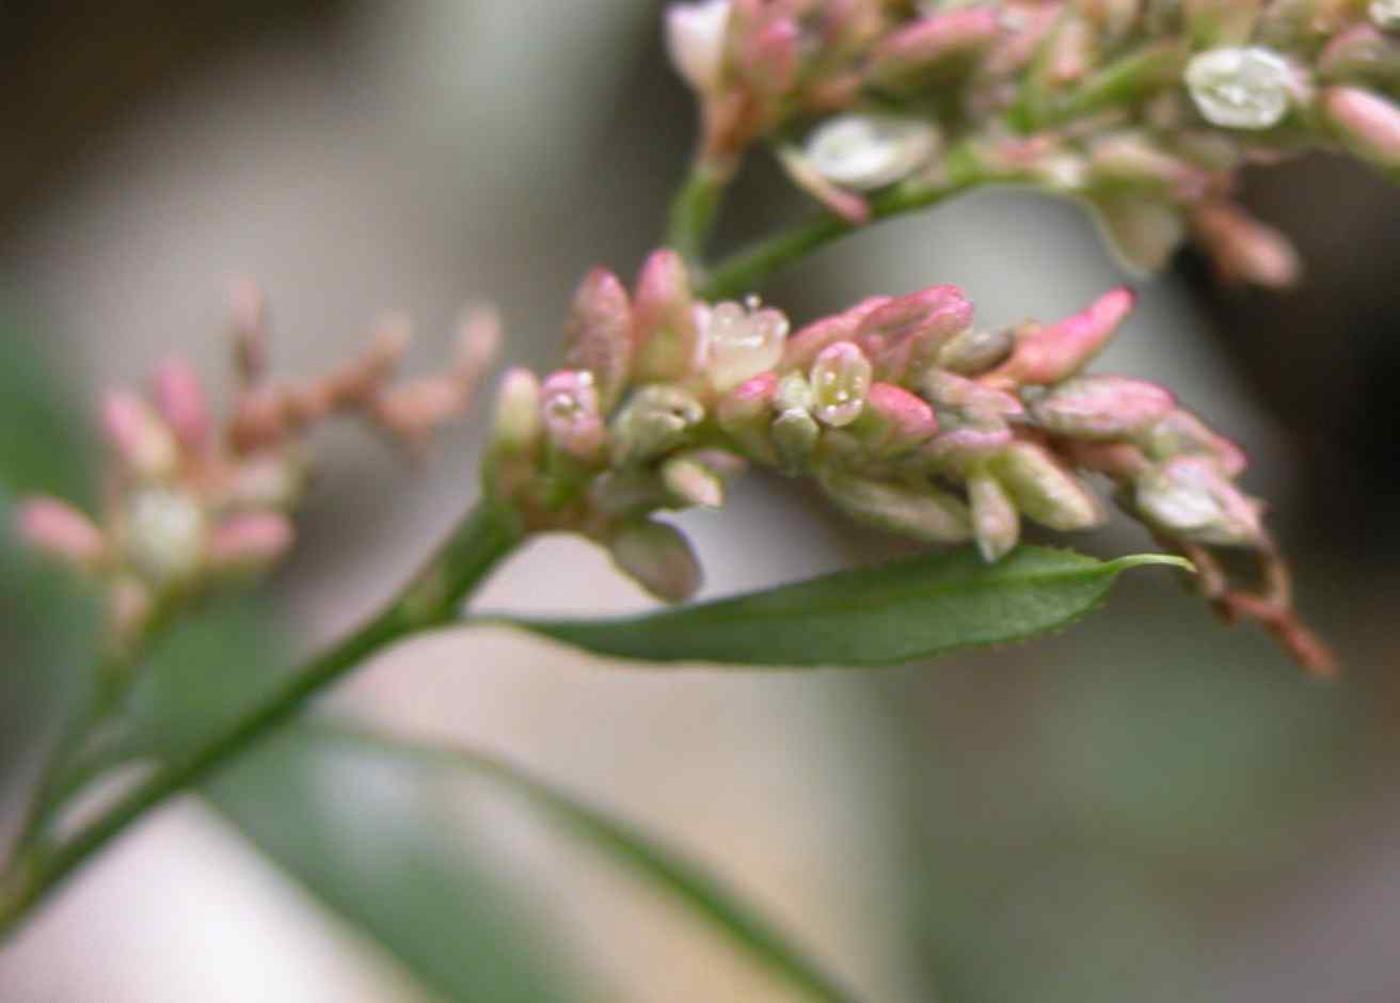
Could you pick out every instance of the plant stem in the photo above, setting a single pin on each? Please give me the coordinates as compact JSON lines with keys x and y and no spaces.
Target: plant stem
{"x":693,"y":212}
{"x":486,"y":535}
{"x":745,"y":270}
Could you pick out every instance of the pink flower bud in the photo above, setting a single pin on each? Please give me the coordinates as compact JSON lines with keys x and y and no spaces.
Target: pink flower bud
{"x":959,"y":450}
{"x":924,"y":513}
{"x":659,"y":558}
{"x":692,"y":482}
{"x":599,"y":333}
{"x":569,"y":408}
{"x":894,"y":420}
{"x":1120,"y":460}
{"x":1102,"y":407}
{"x":904,"y":336}
{"x":182,"y":402}
{"x":840,"y":379}
{"x":59,"y":529}
{"x":1132,"y":158}
{"x":145,"y":443}
{"x":1044,"y":490}
{"x":664,"y":332}
{"x":1368,"y":123}
{"x":768,"y":56}
{"x":995,"y":522}
{"x":1244,"y":249}
{"x":1050,"y":354}
{"x":745,"y":413}
{"x":246,"y":541}
{"x":970,"y":400}
{"x":695,"y":41}
{"x":1189,"y":497}
{"x":804,"y":173}
{"x":1181,"y":433}
{"x":803,"y":347}
{"x":909,"y":55}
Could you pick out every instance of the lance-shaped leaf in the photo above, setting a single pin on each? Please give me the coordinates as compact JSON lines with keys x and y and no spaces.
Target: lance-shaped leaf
{"x":668,"y":871}
{"x":908,"y":609}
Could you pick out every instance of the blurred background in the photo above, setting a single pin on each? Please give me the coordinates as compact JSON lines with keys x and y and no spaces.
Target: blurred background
{"x":1148,"y":807}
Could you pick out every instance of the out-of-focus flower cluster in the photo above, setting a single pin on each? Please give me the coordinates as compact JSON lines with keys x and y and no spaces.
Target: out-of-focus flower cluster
{"x":1147,"y":109}
{"x":905,"y":413}
{"x":191,"y":503}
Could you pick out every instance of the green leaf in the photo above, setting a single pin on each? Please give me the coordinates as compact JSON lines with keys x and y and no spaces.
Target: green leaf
{"x":898,"y":612}
{"x":665,"y":868}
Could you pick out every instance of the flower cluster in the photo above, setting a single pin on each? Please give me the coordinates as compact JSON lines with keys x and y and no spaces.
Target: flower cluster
{"x":903,"y":411}
{"x":191,"y":504}
{"x":1146,"y":109}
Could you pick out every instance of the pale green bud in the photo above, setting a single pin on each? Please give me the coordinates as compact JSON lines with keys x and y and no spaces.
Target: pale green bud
{"x":658,"y":557}
{"x":924,"y":512}
{"x":1044,"y":490}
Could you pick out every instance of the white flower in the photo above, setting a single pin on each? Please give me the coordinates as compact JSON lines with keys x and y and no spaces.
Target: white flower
{"x":1249,"y":87}
{"x":865,"y":152}
{"x":165,"y":534}
{"x":741,"y":342}
{"x":695,"y":35}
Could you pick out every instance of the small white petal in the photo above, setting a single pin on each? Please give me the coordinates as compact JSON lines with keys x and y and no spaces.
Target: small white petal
{"x":695,"y":34}
{"x":1249,"y":87}
{"x":865,"y":152}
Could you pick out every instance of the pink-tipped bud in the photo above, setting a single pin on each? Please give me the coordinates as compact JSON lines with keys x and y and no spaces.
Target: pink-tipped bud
{"x":1102,"y":407}
{"x":182,"y":402}
{"x":768,"y":57}
{"x":664,"y":332}
{"x":802,"y":349}
{"x":695,"y":41}
{"x":569,"y":409}
{"x":1048,"y":355}
{"x":925,"y":513}
{"x":59,"y":529}
{"x":145,"y":442}
{"x":840,"y":380}
{"x":894,"y":420}
{"x":995,"y":522}
{"x":1181,"y":433}
{"x":745,"y":413}
{"x":969,"y":399}
{"x":1132,"y":158}
{"x":1190,"y":498}
{"x":1242,"y":249}
{"x":905,"y":335}
{"x":1045,"y":490}
{"x":659,"y":558}
{"x":1361,"y":54}
{"x":1368,"y":123}
{"x":599,"y":333}
{"x":806,"y":175}
{"x":249,"y":541}
{"x":910,"y":56}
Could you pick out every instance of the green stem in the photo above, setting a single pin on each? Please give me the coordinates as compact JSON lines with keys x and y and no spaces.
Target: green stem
{"x":744,"y":271}
{"x":693,"y":212}
{"x":432,"y":598}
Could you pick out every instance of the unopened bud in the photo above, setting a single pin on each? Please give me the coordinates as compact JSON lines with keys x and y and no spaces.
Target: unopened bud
{"x":664,"y":330}
{"x":692,"y":482}
{"x":909,"y":56}
{"x":1244,"y":249}
{"x":851,"y":207}
{"x":144,"y":441}
{"x":1048,"y":355}
{"x":181,"y":401}
{"x":974,"y":352}
{"x":1248,"y":87}
{"x":768,"y":58}
{"x":659,"y":558}
{"x":1181,"y":433}
{"x":745,"y":413}
{"x":840,"y":380}
{"x":894,"y":420}
{"x":1044,"y":490}
{"x":1368,"y":123}
{"x":924,"y":513}
{"x":1221,"y":22}
{"x":1133,"y":158}
{"x":599,"y":333}
{"x":569,"y":408}
{"x":165,"y":535}
{"x":1141,"y":230}
{"x":795,"y":434}
{"x":742,"y":342}
{"x":803,"y":347}
{"x":1190,"y":497}
{"x":695,"y":39}
{"x":903,"y":337}
{"x":969,"y":400}
{"x":865,"y":152}
{"x":59,"y":529}
{"x":249,"y":541}
{"x":656,"y":420}
{"x":518,"y":423}
{"x":1102,"y":407}
{"x":996,"y":523}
